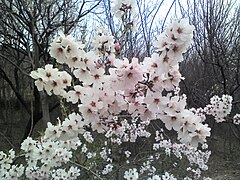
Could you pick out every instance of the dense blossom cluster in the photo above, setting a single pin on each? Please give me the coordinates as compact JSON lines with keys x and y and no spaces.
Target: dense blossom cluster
{"x":117,"y":98}
{"x":132,"y":86}
{"x":51,"y":79}
{"x":132,"y":174}
{"x":219,"y":107}
{"x":71,"y":174}
{"x":46,"y":154}
{"x":195,"y":156}
{"x":7,"y":170}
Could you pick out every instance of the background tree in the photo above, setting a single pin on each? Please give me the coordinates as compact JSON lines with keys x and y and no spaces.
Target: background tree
{"x":214,"y":65}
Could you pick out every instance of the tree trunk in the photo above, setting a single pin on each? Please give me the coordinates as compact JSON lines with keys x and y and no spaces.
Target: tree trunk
{"x":45,"y":109}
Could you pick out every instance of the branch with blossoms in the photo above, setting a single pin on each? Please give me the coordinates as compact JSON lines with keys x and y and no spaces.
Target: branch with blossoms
{"x":126,"y":11}
{"x":117,"y":100}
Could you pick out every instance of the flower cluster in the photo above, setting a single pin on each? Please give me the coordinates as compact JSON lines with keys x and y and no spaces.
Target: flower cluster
{"x":107,"y":169}
{"x":54,"y":149}
{"x":176,"y":38}
{"x":131,"y":174}
{"x":126,"y":11}
{"x":236,"y":119}
{"x":42,"y":156}
{"x":51,"y":79}
{"x":131,"y":87}
{"x":66,"y":50}
{"x":197,"y":159}
{"x":7,"y":170}
{"x":194,"y":155}
{"x":71,"y":174}
{"x":219,"y":107}
{"x":103,"y":43}
{"x":70,"y":128}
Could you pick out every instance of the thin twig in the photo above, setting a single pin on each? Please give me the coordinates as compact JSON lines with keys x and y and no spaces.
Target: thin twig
{"x":7,"y":59}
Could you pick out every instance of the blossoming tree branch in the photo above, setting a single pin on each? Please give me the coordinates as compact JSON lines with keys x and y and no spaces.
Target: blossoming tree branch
{"x":117,"y":98}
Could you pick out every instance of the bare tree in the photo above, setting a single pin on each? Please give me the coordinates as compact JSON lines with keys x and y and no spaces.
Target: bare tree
{"x":214,"y":65}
